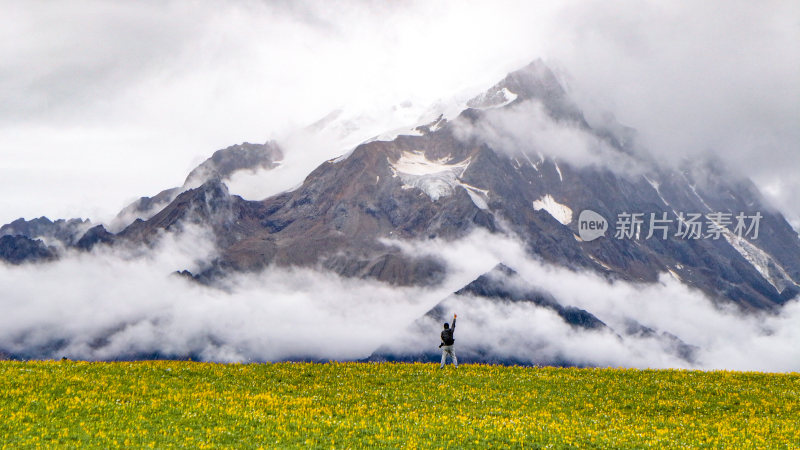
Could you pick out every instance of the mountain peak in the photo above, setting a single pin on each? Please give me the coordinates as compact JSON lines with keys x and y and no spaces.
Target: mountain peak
{"x":245,"y":156}
{"x":534,"y":82}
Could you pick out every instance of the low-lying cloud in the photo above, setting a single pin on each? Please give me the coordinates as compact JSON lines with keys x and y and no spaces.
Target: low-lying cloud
{"x":724,"y":337}
{"x":117,"y":305}
{"x":527,"y":128}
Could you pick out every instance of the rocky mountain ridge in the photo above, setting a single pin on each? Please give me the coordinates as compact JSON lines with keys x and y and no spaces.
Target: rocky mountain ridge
{"x":442,"y":184}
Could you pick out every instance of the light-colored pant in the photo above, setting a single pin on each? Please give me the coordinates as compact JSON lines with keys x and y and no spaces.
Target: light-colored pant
{"x":448,"y":350}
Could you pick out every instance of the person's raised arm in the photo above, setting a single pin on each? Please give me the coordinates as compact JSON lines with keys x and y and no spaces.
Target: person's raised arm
{"x":454,"y":321}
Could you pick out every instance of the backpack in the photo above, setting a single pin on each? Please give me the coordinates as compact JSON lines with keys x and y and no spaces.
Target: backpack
{"x":447,"y":337}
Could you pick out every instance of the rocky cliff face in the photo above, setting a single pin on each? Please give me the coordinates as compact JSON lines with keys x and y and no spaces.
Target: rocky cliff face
{"x":20,"y":249}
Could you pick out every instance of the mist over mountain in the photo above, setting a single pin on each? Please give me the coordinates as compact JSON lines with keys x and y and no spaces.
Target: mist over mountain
{"x":476,"y":210}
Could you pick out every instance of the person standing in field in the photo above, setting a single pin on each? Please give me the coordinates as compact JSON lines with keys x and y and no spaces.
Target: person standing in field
{"x":447,"y":343}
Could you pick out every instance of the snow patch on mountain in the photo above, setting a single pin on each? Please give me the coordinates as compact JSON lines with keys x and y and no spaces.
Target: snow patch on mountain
{"x":600,"y":263}
{"x":479,"y":196}
{"x":437,"y":125}
{"x":345,"y":129}
{"x":696,"y":194}
{"x":437,"y":178}
{"x":657,"y":186}
{"x":392,"y":135}
{"x":525,"y":155}
{"x":492,"y":100}
{"x":761,"y":261}
{"x":558,"y":169}
{"x":509,"y":96}
{"x":560,"y":212}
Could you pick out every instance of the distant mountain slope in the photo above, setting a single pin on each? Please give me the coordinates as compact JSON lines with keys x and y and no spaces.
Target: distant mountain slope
{"x":81,"y":234}
{"x":221,"y":165}
{"x":20,"y":249}
{"x":62,"y":232}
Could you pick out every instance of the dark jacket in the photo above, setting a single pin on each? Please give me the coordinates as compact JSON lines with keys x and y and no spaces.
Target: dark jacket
{"x":447,"y":335}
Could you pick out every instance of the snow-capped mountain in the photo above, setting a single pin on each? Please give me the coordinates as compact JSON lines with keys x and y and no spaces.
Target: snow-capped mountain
{"x":447,"y":182}
{"x":518,"y":160}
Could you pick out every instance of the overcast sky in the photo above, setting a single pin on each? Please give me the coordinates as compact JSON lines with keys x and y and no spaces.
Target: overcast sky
{"x":102,"y":102}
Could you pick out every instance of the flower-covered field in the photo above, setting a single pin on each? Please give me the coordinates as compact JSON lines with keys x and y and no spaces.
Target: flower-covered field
{"x":160,"y":404}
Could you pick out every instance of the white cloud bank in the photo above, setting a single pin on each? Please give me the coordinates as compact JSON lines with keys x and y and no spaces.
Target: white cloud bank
{"x":118,"y":304}
{"x":111,"y":305}
{"x":527,"y":128}
{"x":726,"y":338}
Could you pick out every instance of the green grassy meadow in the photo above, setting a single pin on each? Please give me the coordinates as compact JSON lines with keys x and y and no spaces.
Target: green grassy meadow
{"x":352,"y":405}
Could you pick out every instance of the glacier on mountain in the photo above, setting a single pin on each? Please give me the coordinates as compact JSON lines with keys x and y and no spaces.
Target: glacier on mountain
{"x":436,"y":178}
